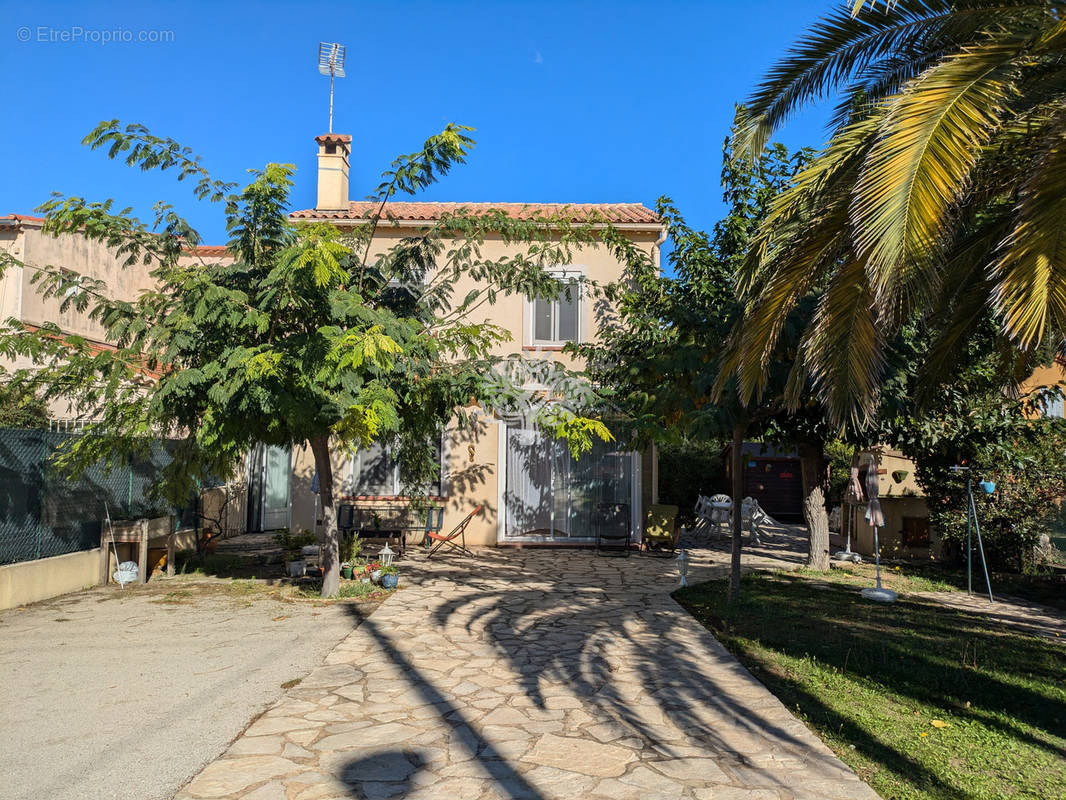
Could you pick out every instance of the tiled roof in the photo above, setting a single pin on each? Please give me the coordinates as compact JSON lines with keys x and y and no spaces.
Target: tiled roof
{"x":209,"y":250}
{"x":343,"y":138}
{"x":23,"y":218}
{"x":617,"y":213}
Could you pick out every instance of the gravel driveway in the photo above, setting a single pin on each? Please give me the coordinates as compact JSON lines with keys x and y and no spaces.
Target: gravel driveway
{"x":127,"y":694}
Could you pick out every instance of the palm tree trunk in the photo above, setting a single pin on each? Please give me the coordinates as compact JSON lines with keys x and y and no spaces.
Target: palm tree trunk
{"x":329,"y":542}
{"x":736,"y":475}
{"x":812,"y":468}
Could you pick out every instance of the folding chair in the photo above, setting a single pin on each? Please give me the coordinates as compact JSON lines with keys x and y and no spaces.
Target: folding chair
{"x":459,"y":532}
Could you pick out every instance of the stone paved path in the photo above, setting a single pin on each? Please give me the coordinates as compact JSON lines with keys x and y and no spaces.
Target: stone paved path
{"x":1021,"y":615}
{"x":532,"y":675}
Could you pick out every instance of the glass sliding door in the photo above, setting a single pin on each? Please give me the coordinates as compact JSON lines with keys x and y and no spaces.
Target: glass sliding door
{"x":550,"y":496}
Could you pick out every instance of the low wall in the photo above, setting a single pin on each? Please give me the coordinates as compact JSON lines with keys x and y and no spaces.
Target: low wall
{"x":30,"y":581}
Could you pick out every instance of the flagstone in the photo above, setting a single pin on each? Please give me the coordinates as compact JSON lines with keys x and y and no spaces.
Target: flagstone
{"x":544,"y":679}
{"x":580,"y":755}
{"x":226,"y":777}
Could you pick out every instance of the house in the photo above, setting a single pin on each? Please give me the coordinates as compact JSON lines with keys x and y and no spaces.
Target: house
{"x":530,"y":489}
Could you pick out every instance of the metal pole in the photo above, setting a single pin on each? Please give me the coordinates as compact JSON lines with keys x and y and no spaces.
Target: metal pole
{"x":981,"y":549}
{"x":331,"y":101}
{"x":969,"y":543}
{"x":877,"y":557}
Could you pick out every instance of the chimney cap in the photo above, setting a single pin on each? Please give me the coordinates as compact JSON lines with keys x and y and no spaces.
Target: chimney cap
{"x":335,"y":138}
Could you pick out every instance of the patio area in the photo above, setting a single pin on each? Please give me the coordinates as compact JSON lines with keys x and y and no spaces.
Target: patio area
{"x":534,"y":674}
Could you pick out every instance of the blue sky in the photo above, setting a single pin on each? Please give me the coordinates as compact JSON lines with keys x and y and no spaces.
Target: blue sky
{"x":573,"y":101}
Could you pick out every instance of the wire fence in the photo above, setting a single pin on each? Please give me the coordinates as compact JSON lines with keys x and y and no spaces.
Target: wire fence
{"x":43,"y":513}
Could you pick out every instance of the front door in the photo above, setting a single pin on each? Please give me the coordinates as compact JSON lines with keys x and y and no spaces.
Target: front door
{"x":550,"y":496}
{"x":269,"y":487}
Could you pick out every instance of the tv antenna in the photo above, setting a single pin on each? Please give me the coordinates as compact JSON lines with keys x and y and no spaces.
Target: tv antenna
{"x":331,"y":62}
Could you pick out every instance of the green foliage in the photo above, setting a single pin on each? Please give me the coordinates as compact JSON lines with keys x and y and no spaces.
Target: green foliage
{"x":20,"y":407}
{"x":688,"y":469}
{"x":995,"y":436}
{"x":663,"y":360}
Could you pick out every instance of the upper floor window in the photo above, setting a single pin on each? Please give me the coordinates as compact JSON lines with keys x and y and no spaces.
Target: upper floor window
{"x":557,"y":320}
{"x":1056,"y":408}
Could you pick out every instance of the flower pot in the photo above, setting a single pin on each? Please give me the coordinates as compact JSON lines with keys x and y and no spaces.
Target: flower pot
{"x":366,"y":579}
{"x":389,"y":581}
{"x":375,"y":576}
{"x":988,"y":486}
{"x":346,"y":573}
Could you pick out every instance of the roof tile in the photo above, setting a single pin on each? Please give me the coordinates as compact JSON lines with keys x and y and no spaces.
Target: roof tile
{"x":617,"y":213}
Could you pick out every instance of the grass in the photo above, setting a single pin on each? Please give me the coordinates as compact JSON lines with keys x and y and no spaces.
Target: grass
{"x":349,"y":590}
{"x":920,"y":700}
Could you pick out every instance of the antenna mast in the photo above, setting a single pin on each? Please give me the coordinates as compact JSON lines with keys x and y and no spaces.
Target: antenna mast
{"x":331,"y":62}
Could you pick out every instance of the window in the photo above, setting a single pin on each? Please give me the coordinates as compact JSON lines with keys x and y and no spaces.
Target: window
{"x":557,"y":321}
{"x":377,"y":472}
{"x":1055,"y":408}
{"x":915,"y":532}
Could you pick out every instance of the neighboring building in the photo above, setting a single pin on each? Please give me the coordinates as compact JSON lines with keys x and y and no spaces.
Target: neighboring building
{"x":772,"y":476}
{"x":906,"y":533}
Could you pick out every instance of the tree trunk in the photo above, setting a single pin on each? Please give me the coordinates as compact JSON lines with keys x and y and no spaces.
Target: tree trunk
{"x":329,"y":542}
{"x":812,"y":467}
{"x":736,"y":476}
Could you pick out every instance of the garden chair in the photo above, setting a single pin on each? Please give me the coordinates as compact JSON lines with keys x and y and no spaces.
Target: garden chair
{"x":661,"y":532}
{"x":449,"y":541}
{"x":613,"y":529}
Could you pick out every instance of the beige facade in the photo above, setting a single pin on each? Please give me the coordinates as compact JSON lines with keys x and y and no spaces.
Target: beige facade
{"x":473,"y":458}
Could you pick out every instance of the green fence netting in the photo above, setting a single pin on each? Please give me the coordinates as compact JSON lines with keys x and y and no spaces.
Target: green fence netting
{"x":43,"y":514}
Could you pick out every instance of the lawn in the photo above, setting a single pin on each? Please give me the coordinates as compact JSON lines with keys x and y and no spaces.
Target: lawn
{"x":920,"y":700}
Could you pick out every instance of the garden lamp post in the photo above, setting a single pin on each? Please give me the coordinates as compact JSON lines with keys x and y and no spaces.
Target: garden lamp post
{"x":385,"y":556}
{"x":682,"y":566}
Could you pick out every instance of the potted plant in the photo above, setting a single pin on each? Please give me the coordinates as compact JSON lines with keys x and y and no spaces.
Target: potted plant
{"x":352,"y":547}
{"x":373,"y":569}
{"x":389,"y":578}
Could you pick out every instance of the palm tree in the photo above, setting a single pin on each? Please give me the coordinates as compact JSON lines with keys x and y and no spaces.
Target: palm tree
{"x":939,"y":199}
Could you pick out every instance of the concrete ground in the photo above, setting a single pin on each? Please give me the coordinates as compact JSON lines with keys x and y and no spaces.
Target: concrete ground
{"x":534,"y":675}
{"x":127,"y":694}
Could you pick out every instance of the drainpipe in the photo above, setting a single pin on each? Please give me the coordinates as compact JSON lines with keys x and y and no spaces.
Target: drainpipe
{"x":656,"y":257}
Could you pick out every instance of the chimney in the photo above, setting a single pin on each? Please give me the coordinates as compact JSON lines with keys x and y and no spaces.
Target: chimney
{"x":333,"y":152}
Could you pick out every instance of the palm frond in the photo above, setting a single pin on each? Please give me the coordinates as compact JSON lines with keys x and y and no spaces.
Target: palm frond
{"x":841,"y":45}
{"x":927,"y":146}
{"x":1030,"y":271}
{"x":844,"y":347}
